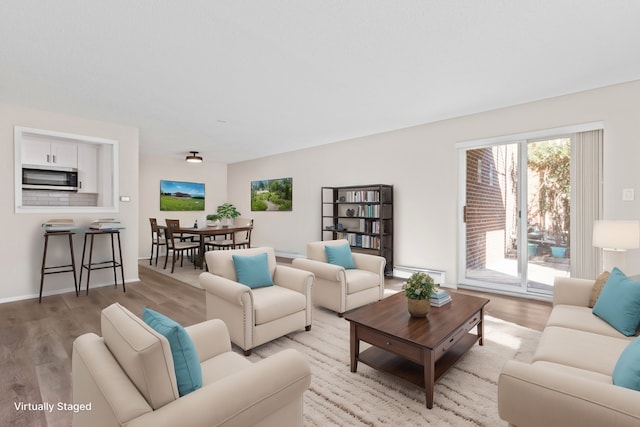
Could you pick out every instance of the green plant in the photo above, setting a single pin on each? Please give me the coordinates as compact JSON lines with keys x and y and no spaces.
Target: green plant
{"x":227,"y":210}
{"x":213,"y":217}
{"x":551,"y":161}
{"x":419,"y":286}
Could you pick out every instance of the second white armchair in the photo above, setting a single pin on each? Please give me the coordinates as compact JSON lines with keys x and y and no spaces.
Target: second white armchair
{"x":338,"y":288}
{"x":256,"y":315}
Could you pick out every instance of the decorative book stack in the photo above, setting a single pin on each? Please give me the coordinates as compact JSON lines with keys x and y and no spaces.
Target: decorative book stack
{"x":58,"y":225}
{"x":106,"y":224}
{"x":440,"y":297}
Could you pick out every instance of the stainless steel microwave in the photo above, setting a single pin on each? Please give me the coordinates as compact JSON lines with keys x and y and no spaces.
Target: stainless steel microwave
{"x":39,"y":178}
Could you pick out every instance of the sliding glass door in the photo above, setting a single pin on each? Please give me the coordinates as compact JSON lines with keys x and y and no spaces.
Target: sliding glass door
{"x":516,"y":214}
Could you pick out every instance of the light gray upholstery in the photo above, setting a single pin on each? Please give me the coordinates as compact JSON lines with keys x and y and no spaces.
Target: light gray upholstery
{"x":130,"y":381}
{"x":256,"y":316}
{"x":340,"y":289}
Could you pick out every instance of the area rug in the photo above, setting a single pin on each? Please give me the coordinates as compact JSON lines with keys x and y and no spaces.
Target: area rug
{"x":465,"y":396}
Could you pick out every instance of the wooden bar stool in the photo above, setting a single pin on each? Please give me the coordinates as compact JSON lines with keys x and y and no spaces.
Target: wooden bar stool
{"x":57,"y":268}
{"x":112,"y":263}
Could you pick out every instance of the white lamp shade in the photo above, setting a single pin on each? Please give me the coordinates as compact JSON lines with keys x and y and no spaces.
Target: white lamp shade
{"x":616,"y":234}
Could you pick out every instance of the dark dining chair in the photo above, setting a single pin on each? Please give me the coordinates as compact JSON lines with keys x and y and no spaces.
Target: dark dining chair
{"x":157,"y":239}
{"x":239,"y":239}
{"x":177,"y":246}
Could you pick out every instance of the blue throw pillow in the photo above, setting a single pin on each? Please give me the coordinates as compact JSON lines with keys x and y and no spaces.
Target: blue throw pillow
{"x":185,"y":357}
{"x":619,"y":303}
{"x":253,"y":270}
{"x":340,"y":255}
{"x":627,"y":370}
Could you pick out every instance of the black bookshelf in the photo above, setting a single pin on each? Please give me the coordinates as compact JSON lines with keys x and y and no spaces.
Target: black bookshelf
{"x":363,"y":215}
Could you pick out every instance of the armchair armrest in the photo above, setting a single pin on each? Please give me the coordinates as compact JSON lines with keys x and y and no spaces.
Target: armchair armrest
{"x":224,"y":288}
{"x":210,"y":338}
{"x":372,"y":263}
{"x":293,"y":278}
{"x":572,"y":291}
{"x":243,"y":398}
{"x":537,"y":395}
{"x":322,"y":270}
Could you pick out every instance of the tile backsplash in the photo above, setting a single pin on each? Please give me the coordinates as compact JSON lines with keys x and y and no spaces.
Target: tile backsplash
{"x":58,"y":198}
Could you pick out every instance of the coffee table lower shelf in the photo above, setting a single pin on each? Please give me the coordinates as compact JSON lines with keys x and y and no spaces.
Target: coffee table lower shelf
{"x":412,"y":372}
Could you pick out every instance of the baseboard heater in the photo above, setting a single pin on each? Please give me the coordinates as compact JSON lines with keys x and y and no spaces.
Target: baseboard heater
{"x":404,"y":272}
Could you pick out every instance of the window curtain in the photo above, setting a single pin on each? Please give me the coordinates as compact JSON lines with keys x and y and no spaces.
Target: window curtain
{"x":586,"y":177}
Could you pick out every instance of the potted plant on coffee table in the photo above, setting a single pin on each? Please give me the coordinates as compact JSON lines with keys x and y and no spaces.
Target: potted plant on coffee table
{"x":418,"y":290}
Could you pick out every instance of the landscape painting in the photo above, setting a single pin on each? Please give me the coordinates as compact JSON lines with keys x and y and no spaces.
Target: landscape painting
{"x":181,"y":196}
{"x":272,"y":195}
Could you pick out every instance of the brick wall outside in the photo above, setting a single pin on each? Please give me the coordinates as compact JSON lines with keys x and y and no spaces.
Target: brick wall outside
{"x":491,"y":203}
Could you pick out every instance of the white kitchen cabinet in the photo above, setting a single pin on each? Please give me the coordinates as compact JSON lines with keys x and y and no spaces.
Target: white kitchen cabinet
{"x":41,"y":152}
{"x":87,"y":168}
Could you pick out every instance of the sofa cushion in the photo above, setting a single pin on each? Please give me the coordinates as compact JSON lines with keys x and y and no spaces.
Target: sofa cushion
{"x":253,"y":270}
{"x":144,"y":354}
{"x":582,"y":319}
{"x":340,"y":255}
{"x":580,"y":349}
{"x":276,"y":302}
{"x":597,"y":288}
{"x":627,"y":371}
{"x":223,"y":365}
{"x":185,"y":357}
{"x":570,"y":370}
{"x":619,"y":303}
{"x":359,"y":280}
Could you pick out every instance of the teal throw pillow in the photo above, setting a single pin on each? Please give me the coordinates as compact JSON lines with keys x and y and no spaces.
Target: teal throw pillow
{"x":253,"y":270}
{"x":627,"y":370}
{"x":340,"y":255}
{"x":185,"y":358}
{"x":619,"y":303}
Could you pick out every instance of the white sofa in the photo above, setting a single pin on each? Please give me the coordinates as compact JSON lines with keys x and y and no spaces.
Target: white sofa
{"x":569,"y":381}
{"x":128,"y":378}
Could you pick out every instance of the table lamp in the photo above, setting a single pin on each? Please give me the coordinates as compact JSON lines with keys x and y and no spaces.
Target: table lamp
{"x":615,"y":237}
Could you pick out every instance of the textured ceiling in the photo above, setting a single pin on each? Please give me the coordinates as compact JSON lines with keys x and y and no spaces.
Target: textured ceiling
{"x":237,"y":80}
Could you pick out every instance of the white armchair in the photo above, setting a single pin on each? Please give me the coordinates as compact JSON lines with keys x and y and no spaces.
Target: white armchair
{"x":127,"y":377}
{"x":256,"y":316}
{"x":340,"y":289}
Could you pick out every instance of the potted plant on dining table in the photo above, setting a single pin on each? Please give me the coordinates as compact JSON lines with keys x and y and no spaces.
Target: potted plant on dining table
{"x":418,"y":290}
{"x":225,"y":213}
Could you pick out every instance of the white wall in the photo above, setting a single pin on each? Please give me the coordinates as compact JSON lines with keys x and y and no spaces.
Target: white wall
{"x":153,"y":169}
{"x":21,"y":252}
{"x":421,"y":163}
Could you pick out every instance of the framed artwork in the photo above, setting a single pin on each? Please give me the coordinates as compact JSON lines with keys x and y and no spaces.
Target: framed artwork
{"x":272,"y":195}
{"x":181,"y":196}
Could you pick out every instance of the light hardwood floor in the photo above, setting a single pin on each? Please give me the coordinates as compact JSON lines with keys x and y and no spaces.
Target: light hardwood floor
{"x":36,"y":339}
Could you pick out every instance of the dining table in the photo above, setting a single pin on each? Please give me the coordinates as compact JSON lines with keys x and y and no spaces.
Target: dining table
{"x":208,"y":231}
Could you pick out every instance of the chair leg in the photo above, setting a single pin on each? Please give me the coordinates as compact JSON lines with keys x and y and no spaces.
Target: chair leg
{"x":151,"y":259}
{"x":165,"y":260}
{"x":173,"y":262}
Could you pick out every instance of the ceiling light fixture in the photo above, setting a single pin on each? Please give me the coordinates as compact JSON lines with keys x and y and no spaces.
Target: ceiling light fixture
{"x":193,"y":158}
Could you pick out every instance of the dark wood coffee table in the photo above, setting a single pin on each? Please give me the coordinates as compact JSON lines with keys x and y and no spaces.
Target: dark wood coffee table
{"x":417,"y":350}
